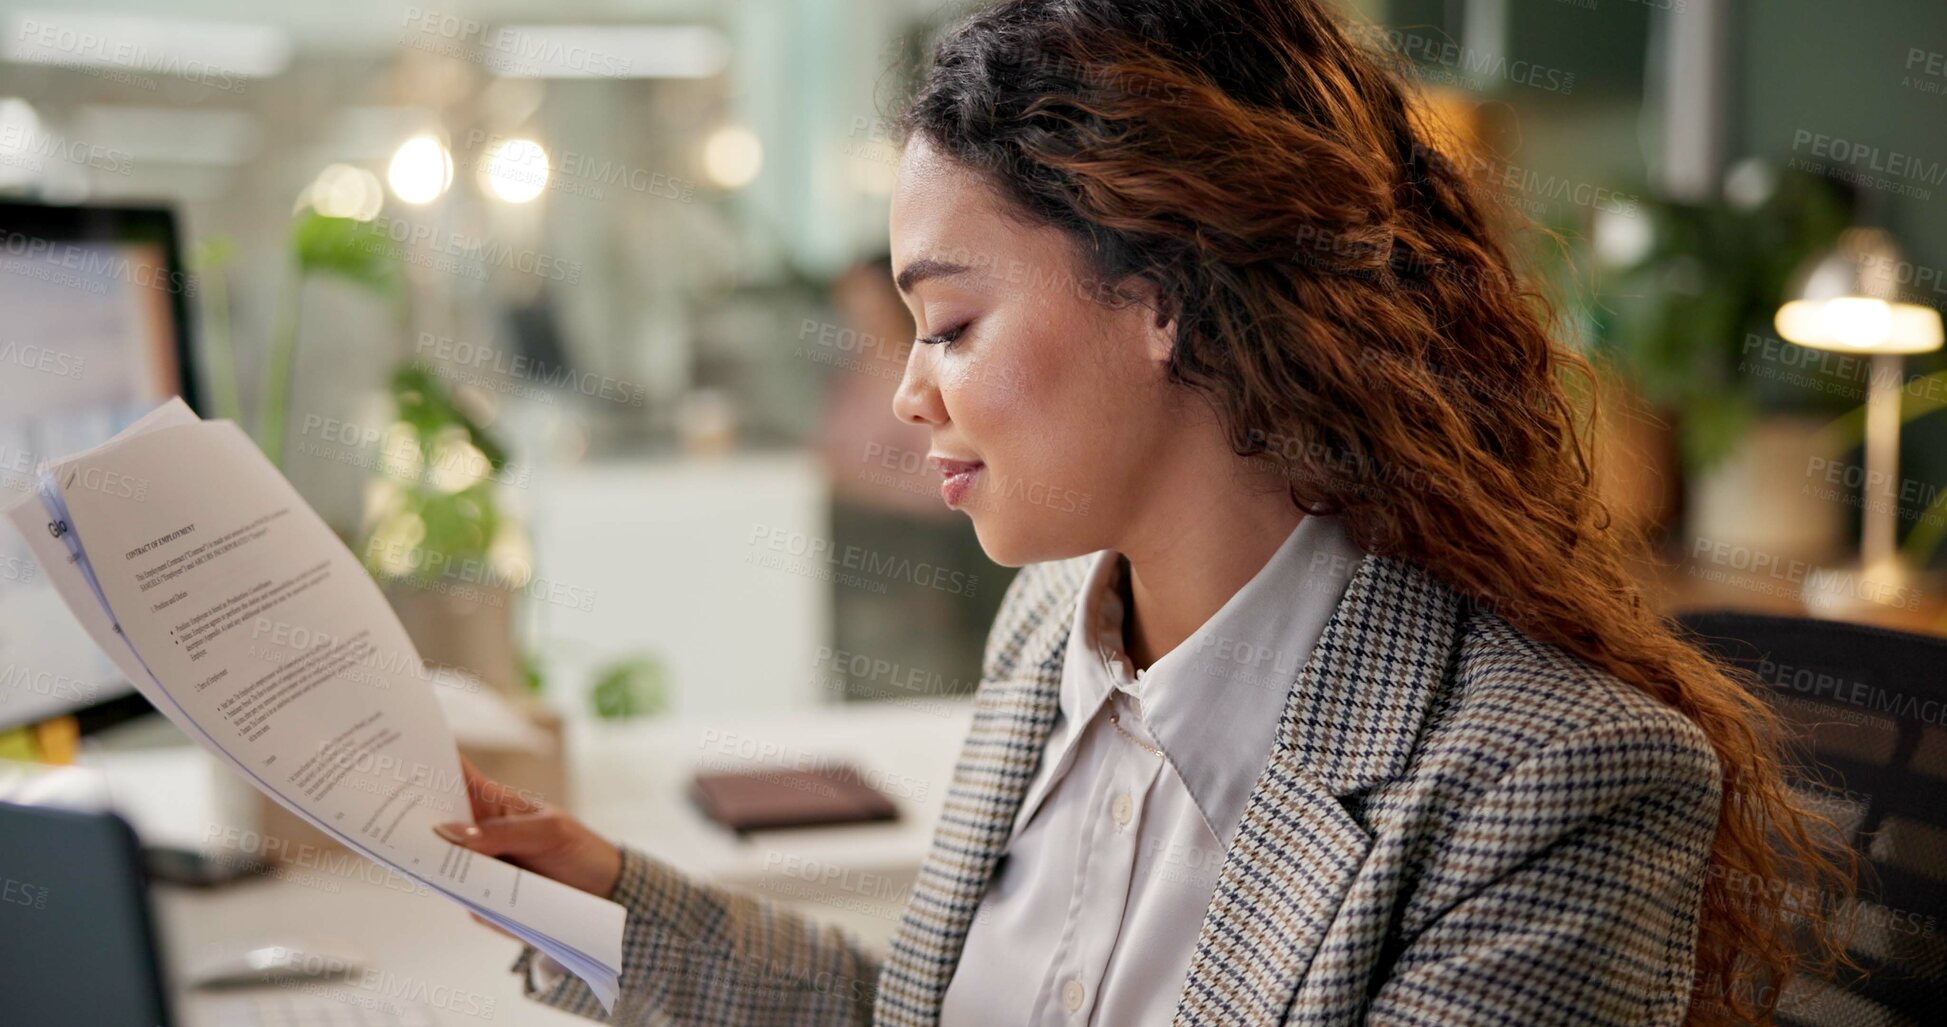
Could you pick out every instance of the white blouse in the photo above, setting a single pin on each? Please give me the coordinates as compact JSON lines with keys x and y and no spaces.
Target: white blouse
{"x":1093,"y":915}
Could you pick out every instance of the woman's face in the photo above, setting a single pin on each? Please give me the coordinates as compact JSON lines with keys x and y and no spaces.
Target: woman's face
{"x":1050,"y":391}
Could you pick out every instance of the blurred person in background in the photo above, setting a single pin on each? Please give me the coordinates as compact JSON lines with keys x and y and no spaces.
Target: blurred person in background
{"x":1324,"y":695}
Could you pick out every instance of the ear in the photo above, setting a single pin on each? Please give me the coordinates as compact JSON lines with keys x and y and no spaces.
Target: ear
{"x":1158,"y":321}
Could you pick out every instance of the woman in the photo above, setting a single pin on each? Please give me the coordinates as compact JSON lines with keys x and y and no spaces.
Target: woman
{"x":1334,"y":703}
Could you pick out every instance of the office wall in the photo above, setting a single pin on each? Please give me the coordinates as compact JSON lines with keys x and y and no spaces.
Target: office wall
{"x":1856,"y":74}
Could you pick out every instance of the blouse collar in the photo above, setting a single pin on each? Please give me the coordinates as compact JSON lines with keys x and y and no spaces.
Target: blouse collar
{"x":1212,"y":704}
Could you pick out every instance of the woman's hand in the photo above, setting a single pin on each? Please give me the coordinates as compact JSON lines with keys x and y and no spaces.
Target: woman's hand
{"x":524,"y":833}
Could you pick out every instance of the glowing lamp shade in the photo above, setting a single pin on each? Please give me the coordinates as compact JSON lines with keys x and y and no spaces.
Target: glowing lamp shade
{"x":421,"y":171}
{"x":1860,"y":324}
{"x":1848,"y":299}
{"x":516,"y":170}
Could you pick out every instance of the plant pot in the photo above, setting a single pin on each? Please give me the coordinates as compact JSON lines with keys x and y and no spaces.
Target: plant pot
{"x":1766,"y":498}
{"x":466,"y":626}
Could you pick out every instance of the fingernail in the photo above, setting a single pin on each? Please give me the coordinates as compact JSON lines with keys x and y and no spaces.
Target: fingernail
{"x":459,"y":833}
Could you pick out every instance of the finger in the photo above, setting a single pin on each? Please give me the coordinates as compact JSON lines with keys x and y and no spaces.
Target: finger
{"x":477,"y":787}
{"x":523,"y":834}
{"x":490,"y":798}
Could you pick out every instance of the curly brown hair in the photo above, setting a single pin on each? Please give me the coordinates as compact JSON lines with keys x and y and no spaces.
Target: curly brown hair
{"x":1345,"y":297}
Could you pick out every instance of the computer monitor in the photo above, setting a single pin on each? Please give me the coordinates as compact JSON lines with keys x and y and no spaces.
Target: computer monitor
{"x":95,"y":334}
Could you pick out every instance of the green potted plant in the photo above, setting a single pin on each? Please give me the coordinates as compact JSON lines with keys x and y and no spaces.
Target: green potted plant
{"x":1679,"y":302}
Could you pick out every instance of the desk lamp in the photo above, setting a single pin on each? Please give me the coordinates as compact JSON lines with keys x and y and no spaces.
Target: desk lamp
{"x":1847,"y":300}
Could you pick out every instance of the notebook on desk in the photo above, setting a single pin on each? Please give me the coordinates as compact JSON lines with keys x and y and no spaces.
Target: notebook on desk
{"x":759,"y":800}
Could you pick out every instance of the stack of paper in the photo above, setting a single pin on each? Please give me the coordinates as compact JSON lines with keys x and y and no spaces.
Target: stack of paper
{"x":235,"y":610}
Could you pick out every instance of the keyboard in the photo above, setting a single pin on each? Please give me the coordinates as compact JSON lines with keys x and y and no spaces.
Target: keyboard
{"x":333,"y":1007}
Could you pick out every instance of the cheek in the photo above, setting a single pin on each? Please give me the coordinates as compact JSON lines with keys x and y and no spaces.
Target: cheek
{"x":998,"y":389}
{"x":1040,"y":403}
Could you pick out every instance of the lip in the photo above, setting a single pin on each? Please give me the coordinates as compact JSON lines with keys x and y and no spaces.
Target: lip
{"x":959,"y":477}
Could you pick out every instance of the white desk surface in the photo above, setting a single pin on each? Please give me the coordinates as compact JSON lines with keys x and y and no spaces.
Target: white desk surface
{"x":631,"y":782}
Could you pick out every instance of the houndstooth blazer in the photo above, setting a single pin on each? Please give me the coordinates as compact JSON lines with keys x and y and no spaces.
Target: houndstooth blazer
{"x":1457,"y":825}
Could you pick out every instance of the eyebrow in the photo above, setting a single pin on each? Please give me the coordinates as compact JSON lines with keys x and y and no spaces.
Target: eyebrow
{"x":926,"y":267}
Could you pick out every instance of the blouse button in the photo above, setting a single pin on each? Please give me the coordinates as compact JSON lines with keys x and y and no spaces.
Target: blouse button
{"x":1071,"y":995}
{"x":1123,"y":809}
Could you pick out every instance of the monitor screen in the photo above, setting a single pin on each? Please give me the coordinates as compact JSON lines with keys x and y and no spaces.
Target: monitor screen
{"x":93,"y":338}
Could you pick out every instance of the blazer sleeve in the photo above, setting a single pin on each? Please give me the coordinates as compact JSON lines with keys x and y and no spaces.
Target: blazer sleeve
{"x":694,"y":954}
{"x":1571,"y":887}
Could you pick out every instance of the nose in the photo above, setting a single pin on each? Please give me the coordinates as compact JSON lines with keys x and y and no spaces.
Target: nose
{"x":918,"y":400}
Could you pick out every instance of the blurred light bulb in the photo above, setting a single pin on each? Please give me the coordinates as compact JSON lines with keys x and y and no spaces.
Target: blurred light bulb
{"x":511,"y":555}
{"x":456,"y":464}
{"x":1622,"y":238}
{"x":516,"y":170}
{"x":421,"y":170}
{"x":400,"y":457}
{"x":394,"y":544}
{"x":343,"y":191}
{"x":732,"y":156}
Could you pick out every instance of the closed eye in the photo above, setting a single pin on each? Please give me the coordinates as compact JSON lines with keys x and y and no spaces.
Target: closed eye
{"x":945,"y":338}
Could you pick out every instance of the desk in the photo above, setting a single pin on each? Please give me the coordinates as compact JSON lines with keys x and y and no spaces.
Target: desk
{"x":630,"y":780}
{"x":423,"y":951}
{"x":1687,"y":586}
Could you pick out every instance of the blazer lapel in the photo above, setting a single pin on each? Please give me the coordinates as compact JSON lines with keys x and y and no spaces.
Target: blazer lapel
{"x":1013,"y":716}
{"x":1350,"y":722}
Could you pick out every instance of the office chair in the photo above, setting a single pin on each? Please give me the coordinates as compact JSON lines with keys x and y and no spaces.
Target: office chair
{"x":1870,"y":705}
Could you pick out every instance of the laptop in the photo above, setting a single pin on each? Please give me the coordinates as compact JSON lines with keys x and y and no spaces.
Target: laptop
{"x":78,"y":943}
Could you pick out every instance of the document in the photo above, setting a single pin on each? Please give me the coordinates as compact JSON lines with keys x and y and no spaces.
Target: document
{"x":237,"y":612}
